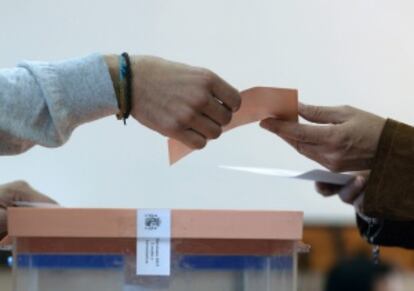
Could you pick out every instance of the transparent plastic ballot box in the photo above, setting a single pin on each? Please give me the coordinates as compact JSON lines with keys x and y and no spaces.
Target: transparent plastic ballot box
{"x":61,"y":249}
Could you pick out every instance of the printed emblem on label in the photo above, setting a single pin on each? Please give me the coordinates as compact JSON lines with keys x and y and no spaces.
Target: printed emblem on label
{"x":152,"y":221}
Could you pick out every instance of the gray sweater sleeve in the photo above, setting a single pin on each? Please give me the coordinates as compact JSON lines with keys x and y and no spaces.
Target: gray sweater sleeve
{"x":42,"y":103}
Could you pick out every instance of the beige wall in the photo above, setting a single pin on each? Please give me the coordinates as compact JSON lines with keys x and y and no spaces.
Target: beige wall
{"x":335,"y":52}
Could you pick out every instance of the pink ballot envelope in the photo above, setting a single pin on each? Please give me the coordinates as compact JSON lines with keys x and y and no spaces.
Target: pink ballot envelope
{"x":258,"y":103}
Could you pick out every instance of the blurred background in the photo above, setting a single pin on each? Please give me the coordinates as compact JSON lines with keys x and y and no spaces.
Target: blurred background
{"x":334,"y":52}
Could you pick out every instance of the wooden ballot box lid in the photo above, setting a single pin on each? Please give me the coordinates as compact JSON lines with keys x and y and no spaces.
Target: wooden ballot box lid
{"x":185,"y":224}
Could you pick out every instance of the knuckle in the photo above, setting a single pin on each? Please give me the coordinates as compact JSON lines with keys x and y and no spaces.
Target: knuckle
{"x":207,"y":77}
{"x":201,"y":101}
{"x":337,"y":138}
{"x":185,"y":118}
{"x":315,"y":111}
{"x":301,"y":134}
{"x":172,"y":127}
{"x":347,"y":109}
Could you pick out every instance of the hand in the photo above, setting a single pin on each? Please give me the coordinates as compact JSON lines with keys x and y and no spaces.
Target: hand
{"x":18,"y":191}
{"x":182,"y":102}
{"x":346,"y":142}
{"x":352,"y":193}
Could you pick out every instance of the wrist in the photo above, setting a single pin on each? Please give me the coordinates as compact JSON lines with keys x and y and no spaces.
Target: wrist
{"x":146,"y":72}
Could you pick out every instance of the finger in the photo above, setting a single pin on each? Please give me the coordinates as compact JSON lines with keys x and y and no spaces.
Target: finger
{"x":191,"y":139}
{"x":226,"y":94}
{"x":217,"y":112}
{"x":32,"y":197}
{"x":322,"y":114}
{"x":311,"y":151}
{"x":296,"y":131}
{"x":349,"y":191}
{"x":21,"y":191}
{"x":326,"y":189}
{"x":352,"y":190}
{"x":206,"y":127}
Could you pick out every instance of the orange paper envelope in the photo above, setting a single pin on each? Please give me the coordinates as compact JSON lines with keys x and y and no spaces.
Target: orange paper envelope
{"x":258,"y":103}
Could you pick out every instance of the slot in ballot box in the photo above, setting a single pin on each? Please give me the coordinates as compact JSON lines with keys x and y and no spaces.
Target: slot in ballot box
{"x":63,"y":249}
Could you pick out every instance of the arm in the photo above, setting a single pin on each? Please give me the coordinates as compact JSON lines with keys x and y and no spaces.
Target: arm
{"x":42,"y":103}
{"x":390,"y":189}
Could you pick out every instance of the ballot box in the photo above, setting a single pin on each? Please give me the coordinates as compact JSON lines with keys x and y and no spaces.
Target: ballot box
{"x":61,"y":249}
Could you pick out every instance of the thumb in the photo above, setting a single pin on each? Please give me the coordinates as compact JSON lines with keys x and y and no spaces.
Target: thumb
{"x":349,"y":193}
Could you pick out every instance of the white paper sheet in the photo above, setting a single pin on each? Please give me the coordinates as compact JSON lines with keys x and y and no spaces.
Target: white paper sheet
{"x":312,"y":175}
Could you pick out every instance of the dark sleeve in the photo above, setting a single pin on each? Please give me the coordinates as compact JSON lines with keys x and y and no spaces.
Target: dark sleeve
{"x":387,"y":232}
{"x":3,"y":219}
{"x":390,"y":189}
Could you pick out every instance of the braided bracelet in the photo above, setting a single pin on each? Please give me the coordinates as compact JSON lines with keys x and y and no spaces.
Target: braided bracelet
{"x":125,"y":87}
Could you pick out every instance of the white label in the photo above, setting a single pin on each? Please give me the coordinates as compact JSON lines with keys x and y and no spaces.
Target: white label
{"x":154,"y":242}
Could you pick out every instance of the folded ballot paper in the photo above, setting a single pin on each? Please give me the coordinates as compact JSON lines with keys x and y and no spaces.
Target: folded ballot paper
{"x":257,"y":103}
{"x":313,"y":175}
